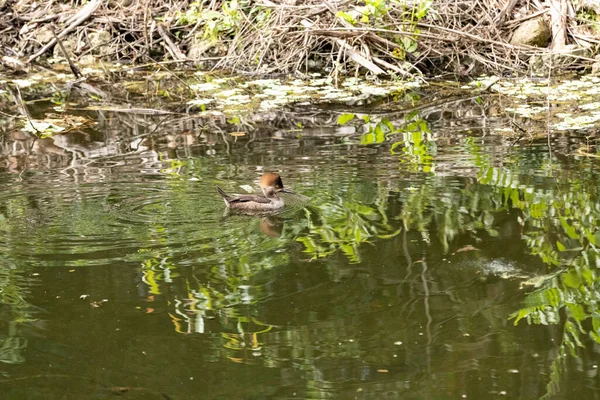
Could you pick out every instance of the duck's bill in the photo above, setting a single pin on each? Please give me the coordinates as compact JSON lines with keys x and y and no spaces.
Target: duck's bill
{"x":286,"y":190}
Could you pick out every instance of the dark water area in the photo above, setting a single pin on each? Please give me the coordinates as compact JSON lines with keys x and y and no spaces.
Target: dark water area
{"x":436,"y":261}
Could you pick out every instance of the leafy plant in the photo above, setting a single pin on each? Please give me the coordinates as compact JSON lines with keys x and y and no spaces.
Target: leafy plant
{"x":217,"y":23}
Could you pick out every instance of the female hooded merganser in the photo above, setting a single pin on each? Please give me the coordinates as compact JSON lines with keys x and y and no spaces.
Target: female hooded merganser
{"x":270,"y":183}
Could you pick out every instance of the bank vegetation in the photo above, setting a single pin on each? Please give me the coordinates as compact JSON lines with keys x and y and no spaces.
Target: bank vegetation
{"x":381,"y":37}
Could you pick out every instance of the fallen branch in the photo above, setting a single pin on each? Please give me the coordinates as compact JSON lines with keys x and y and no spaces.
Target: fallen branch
{"x":354,"y":55}
{"x":511,"y":24}
{"x":356,"y":31}
{"x":558,"y":14}
{"x":73,"y":67}
{"x":389,"y":66}
{"x":80,"y":17}
{"x":116,"y":109}
{"x":507,"y":9}
{"x":171,"y":47}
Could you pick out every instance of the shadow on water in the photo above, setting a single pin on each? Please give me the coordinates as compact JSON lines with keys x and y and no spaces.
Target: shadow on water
{"x":435,"y":259}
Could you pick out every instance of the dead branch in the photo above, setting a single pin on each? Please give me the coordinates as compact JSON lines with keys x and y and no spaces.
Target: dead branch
{"x":75,"y":21}
{"x":171,"y":47}
{"x":73,"y":67}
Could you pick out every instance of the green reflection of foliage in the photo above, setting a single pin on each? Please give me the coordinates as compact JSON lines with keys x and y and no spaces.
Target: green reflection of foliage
{"x":217,"y":292}
{"x":435,"y":209}
{"x":344,"y":226}
{"x":245,"y":345}
{"x":561,"y":227}
{"x":572,"y":292}
{"x":410,"y":139}
{"x":376,"y":132}
{"x":14,"y":311}
{"x":416,"y":147}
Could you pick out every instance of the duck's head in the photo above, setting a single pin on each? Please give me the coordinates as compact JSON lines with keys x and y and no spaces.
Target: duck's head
{"x":271,"y":183}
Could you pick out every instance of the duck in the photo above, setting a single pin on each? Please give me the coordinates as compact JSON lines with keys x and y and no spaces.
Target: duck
{"x":270,"y":184}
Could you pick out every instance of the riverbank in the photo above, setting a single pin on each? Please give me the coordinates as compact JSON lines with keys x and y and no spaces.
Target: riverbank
{"x":397,"y":39}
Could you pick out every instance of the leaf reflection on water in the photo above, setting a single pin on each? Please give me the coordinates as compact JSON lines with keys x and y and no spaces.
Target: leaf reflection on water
{"x":422,"y":237}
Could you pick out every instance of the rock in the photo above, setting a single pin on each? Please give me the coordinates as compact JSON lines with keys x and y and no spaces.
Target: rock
{"x":534,"y":32}
{"x":70,"y":45}
{"x":14,"y":64}
{"x":44,"y":35}
{"x":100,"y":43}
{"x":198,"y":48}
{"x":86,"y":59}
{"x":119,"y":3}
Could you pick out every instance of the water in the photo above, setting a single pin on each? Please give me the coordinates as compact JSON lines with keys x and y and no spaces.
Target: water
{"x":401,"y":278}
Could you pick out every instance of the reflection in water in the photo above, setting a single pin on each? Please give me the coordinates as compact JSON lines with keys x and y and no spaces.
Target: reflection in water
{"x":403,"y":276}
{"x":271,"y":226}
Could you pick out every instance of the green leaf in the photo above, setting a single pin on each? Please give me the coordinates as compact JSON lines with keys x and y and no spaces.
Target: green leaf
{"x":577,"y":311}
{"x":234,"y":120}
{"x":571,"y":279}
{"x":595,"y":336}
{"x":395,"y":145}
{"x":523,"y":313}
{"x":409,"y":44}
{"x":388,"y":124}
{"x":345,"y":118}
{"x":379,"y":134}
{"x":591,"y":238}
{"x":367,"y":138}
{"x":422,"y":8}
{"x":346,"y":17}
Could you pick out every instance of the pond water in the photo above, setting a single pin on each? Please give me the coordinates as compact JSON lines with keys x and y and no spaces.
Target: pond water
{"x":432,"y":259}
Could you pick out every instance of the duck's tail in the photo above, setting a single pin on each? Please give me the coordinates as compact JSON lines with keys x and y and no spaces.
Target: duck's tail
{"x":224,"y":195}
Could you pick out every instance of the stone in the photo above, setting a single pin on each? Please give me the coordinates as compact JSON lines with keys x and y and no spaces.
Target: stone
{"x":198,"y":48}
{"x":86,"y":59}
{"x":70,"y":45}
{"x":44,"y":35}
{"x":534,"y":32}
{"x":100,"y":43}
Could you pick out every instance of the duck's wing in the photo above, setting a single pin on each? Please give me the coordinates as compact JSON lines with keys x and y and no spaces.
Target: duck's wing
{"x":244,"y":198}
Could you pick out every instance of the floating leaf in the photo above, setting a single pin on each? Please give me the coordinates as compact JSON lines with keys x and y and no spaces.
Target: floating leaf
{"x":42,"y":127}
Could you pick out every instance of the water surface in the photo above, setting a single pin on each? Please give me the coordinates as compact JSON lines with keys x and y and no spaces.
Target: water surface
{"x":401,"y":277}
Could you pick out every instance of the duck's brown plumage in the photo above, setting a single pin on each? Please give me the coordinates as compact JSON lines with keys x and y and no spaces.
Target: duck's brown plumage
{"x":270,"y":183}
{"x":242,"y":198}
{"x":271,"y":179}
